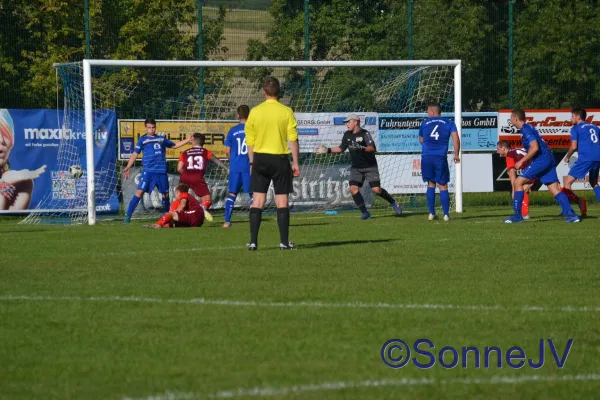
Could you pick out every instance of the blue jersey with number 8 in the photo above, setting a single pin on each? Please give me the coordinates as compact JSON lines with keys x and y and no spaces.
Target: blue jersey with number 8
{"x":436,"y":132}
{"x":588,"y":145}
{"x":236,"y":141}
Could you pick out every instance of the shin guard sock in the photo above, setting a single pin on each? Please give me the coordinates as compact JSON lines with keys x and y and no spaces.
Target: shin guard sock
{"x":431,"y":199}
{"x":229,"y":207}
{"x":255,"y":220}
{"x":518,"y":202}
{"x":597,"y":192}
{"x":570,"y":195}
{"x":165,"y":204}
{"x":445,"y":200}
{"x":360,"y":202}
{"x":563,"y":201}
{"x":165,"y":219}
{"x":525,"y":205}
{"x":283,"y":221}
{"x":386,"y":196}
{"x":132,"y":205}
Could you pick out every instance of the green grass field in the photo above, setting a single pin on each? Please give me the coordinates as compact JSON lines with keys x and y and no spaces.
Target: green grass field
{"x":122,"y":312}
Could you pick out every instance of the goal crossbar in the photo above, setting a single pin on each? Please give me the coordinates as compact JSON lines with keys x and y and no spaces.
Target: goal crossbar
{"x":271,"y":64}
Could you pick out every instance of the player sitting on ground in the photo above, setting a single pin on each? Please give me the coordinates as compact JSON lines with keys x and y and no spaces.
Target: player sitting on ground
{"x":185,"y":211}
{"x":542,"y":166}
{"x":434,"y":135}
{"x":512,"y":157}
{"x":192,"y":166}
{"x":239,"y":164}
{"x":584,"y":140}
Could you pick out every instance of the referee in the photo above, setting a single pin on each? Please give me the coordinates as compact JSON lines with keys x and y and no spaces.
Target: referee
{"x":269,"y":127}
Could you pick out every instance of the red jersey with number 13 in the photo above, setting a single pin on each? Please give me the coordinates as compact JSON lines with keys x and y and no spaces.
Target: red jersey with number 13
{"x":514,"y":156}
{"x":194,"y":161}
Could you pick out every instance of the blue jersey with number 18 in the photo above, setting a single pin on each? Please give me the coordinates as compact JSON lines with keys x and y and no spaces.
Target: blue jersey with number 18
{"x":236,"y":141}
{"x":436,"y":132}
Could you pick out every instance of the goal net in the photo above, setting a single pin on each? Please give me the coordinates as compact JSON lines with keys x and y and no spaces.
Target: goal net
{"x":106,"y":103}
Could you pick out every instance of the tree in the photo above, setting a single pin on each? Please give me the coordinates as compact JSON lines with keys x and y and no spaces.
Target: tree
{"x":557,"y":54}
{"x":378,"y":30}
{"x":53,"y":31}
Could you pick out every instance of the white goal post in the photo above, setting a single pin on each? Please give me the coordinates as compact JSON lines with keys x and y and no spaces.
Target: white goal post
{"x":323,"y":94}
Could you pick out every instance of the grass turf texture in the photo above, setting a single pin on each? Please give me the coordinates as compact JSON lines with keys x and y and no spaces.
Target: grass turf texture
{"x":111,"y":348}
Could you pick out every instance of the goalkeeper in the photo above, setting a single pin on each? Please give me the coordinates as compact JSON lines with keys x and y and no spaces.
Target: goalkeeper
{"x":364,"y":164}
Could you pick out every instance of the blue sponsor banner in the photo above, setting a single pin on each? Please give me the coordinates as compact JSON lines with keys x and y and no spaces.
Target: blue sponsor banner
{"x":308,"y":131}
{"x":400,"y":132}
{"x":45,"y":179}
{"x":367,"y":120}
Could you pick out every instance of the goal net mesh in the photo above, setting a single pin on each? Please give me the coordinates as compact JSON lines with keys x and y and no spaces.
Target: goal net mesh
{"x":391,"y":102}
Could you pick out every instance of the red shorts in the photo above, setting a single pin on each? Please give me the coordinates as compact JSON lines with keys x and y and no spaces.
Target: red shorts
{"x":192,"y":218}
{"x":199,"y":186}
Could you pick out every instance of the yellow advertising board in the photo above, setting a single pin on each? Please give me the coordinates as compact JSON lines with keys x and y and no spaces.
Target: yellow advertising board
{"x":130,"y":131}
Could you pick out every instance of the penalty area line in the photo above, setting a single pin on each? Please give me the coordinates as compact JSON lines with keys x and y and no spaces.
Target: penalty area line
{"x":299,"y":304}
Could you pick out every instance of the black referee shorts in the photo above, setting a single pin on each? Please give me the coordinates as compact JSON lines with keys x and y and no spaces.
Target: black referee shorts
{"x":271,"y":167}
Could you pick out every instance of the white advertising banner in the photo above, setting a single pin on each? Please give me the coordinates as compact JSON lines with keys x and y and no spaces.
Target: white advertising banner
{"x":402,"y":173}
{"x":328,"y":128}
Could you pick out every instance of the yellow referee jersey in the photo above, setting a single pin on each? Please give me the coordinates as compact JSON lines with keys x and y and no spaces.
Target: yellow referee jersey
{"x":269,"y":127}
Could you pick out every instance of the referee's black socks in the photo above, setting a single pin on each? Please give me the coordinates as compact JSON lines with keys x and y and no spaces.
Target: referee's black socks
{"x":386,"y":196}
{"x":283,"y":221}
{"x":255,"y":220}
{"x":360,"y":202}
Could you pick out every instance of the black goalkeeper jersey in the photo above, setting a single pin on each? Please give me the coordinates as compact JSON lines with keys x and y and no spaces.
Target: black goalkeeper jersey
{"x":356,"y":143}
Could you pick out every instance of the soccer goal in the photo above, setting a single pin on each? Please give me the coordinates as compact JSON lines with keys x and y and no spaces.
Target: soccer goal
{"x":106,"y":101}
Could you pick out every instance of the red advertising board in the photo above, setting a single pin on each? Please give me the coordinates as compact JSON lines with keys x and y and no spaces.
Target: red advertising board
{"x":553,"y":125}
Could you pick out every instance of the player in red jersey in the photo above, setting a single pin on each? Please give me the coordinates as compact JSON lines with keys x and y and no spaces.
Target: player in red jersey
{"x":192,"y":166}
{"x":185,"y":211}
{"x":512,"y":157}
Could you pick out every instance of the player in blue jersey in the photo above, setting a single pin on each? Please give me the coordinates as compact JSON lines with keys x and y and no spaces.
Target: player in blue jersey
{"x":239,"y":164}
{"x":585,"y":141}
{"x":542,"y":166}
{"x":434,"y":135}
{"x":154,"y":166}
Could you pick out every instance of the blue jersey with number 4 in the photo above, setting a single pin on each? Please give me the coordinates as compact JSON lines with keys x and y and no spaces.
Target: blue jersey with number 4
{"x":436,"y":132}
{"x":154,"y":150}
{"x":588,"y":146}
{"x":530,"y":135}
{"x":236,"y":141}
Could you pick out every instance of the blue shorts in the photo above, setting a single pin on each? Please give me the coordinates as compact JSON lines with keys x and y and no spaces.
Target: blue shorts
{"x":581,"y":168}
{"x":543,"y":168}
{"x":435,"y":169}
{"x":237,"y":180}
{"x":150,"y":180}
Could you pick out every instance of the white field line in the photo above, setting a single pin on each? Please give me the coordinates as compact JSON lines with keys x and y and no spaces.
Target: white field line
{"x":299,"y":304}
{"x":341,"y":385}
